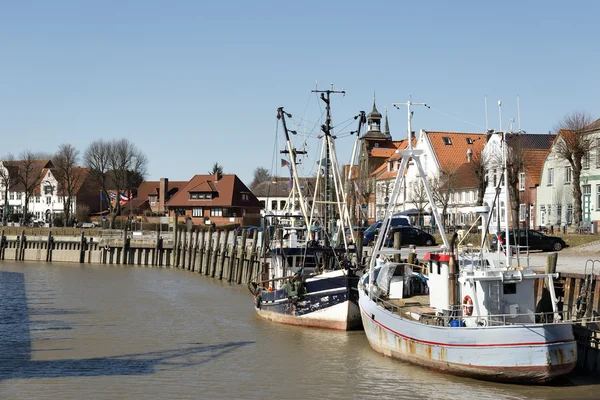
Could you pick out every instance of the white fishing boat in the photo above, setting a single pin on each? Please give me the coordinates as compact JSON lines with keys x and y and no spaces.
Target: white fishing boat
{"x":473,"y":314}
{"x":313,"y":271}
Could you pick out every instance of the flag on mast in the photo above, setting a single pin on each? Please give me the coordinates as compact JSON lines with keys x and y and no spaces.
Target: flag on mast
{"x":284,"y":163}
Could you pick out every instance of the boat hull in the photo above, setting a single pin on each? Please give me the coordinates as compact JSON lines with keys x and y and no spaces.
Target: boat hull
{"x":329,"y":302}
{"x":534,"y":353}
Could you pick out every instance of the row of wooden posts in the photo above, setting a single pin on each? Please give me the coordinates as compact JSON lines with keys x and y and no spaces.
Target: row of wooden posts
{"x":208,"y":252}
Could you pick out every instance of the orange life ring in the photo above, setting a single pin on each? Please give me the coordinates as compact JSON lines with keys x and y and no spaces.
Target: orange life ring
{"x":467,"y":305}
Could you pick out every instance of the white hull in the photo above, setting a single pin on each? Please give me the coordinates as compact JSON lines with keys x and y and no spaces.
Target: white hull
{"x":516,"y":353}
{"x":342,"y":316}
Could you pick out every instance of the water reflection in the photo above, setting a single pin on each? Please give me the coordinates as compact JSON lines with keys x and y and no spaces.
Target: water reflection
{"x":15,"y":344}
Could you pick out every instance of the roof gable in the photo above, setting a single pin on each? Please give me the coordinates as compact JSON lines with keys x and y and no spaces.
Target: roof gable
{"x":450,"y":148}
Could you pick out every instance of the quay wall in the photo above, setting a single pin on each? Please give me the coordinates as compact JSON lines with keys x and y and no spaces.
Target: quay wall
{"x":218,"y":254}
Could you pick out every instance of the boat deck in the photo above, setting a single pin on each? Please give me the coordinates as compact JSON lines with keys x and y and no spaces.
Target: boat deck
{"x":415,"y":307}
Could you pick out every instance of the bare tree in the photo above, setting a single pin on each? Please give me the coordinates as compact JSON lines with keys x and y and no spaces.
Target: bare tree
{"x":68,"y":175}
{"x":573,"y":144}
{"x":7,"y":170}
{"x":418,"y":197}
{"x":443,"y":186}
{"x":29,"y":174}
{"x":480,"y":170}
{"x":115,"y":165}
{"x":261,"y":175}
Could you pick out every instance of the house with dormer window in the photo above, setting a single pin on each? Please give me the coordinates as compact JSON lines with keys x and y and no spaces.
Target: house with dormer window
{"x":215,"y":199}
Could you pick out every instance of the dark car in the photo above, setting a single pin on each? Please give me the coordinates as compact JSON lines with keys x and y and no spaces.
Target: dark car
{"x":373,"y":230}
{"x":249,"y":230}
{"x":410,"y":235}
{"x":533,"y":240}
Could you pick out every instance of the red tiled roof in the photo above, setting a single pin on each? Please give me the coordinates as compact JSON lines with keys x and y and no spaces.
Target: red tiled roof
{"x":452,"y":156}
{"x":535,"y":164}
{"x":466,"y":178}
{"x":229,"y":190}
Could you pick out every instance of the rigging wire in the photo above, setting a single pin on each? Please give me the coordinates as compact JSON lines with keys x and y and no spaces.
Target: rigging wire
{"x":456,"y":118}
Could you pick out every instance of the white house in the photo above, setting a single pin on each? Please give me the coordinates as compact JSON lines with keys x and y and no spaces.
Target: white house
{"x":443,"y":151}
{"x":533,"y":150}
{"x":555,"y":192}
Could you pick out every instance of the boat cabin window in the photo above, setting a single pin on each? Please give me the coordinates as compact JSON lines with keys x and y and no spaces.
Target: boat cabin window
{"x":439,"y":265}
{"x":510,"y":288}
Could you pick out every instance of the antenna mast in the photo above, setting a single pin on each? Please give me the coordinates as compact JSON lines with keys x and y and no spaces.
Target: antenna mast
{"x":328,"y":215}
{"x":519,"y":113}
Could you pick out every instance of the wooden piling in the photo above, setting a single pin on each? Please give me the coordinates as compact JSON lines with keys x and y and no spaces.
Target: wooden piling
{"x":201,"y":251}
{"x":223,"y":257}
{"x":213,"y":263}
{"x":194,"y":251}
{"x":2,"y":245}
{"x":252,"y":258}
{"x":397,"y":245}
{"x":209,"y":251}
{"x":240,"y":257}
{"x":82,"y":243}
{"x":183,"y":250}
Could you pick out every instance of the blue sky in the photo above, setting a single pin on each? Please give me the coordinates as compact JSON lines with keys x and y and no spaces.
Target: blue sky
{"x":194,"y":82}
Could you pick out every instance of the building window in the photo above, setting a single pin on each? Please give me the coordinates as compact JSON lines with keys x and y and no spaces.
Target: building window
{"x":542,"y":215}
{"x":245,"y":197}
{"x":12,"y":195}
{"x":37,"y":199}
{"x":558,"y":213}
{"x":598,"y":153}
{"x":522,"y":211}
{"x":48,"y":199}
{"x":48,"y":189}
{"x":447,"y":141}
{"x":197,"y":212}
{"x":194,"y":196}
{"x":19,"y":195}
{"x":152,"y":200}
{"x":469,"y":140}
{"x":597,"y":197}
{"x":273,"y":204}
{"x":179,"y":211}
{"x":60,"y":199}
{"x":495,"y":179}
{"x":216,"y":212}
{"x":262,"y":204}
{"x":585,"y":160}
{"x":549,"y":210}
{"x":568,"y":174}
{"x":522,"y":181}
{"x":569,"y":216}
{"x":282,"y":204}
{"x":550,"y":176}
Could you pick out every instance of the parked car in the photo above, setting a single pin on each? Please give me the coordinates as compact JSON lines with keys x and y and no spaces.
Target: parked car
{"x":533,"y":240}
{"x":373,"y":230}
{"x":410,"y":235}
{"x":87,"y":225}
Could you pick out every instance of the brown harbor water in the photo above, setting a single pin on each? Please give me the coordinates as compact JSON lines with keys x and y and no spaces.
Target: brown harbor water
{"x":100,"y":332}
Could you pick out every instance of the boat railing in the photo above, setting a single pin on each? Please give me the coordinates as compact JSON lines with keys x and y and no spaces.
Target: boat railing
{"x":455,"y":314}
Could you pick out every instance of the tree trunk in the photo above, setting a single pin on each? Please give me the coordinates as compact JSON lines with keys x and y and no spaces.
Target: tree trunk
{"x":5,"y":209}
{"x":577,"y":210}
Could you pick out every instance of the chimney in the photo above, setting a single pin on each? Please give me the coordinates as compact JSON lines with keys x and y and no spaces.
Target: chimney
{"x":163,"y":189}
{"x":218,"y":176}
{"x":469,"y":155}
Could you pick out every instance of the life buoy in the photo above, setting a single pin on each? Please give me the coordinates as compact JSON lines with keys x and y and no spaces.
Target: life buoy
{"x":467,"y":305}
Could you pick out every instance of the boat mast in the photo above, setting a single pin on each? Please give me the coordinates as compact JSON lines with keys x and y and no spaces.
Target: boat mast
{"x":292,"y":153}
{"x":328,"y":215}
